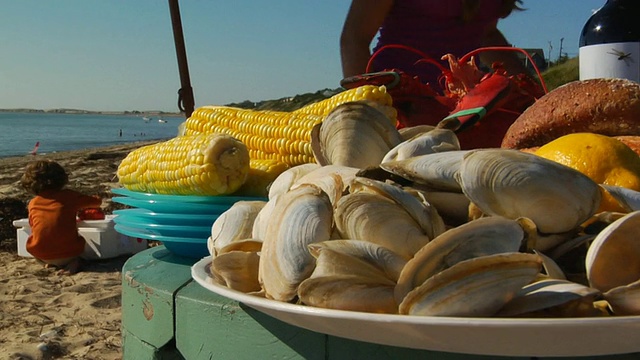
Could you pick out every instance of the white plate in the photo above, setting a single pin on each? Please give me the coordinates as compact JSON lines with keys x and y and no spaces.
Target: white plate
{"x":481,"y":336}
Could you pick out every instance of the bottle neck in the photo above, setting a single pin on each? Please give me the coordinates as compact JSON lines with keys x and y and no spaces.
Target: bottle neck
{"x":615,"y":22}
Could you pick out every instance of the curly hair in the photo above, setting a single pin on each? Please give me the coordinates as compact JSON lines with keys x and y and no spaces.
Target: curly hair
{"x":43,"y":175}
{"x":470,"y":8}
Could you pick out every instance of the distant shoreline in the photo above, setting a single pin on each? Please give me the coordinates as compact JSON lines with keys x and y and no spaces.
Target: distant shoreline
{"x":90,"y":112}
{"x":54,"y":155}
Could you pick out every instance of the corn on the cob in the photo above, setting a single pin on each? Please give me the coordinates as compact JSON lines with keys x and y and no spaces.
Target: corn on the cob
{"x":278,"y":135}
{"x":203,"y":164}
{"x":377,"y":95}
{"x":271,"y":135}
{"x":262,"y":172}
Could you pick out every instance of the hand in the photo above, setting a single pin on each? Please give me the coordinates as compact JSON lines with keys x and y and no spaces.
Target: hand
{"x":91,"y":214}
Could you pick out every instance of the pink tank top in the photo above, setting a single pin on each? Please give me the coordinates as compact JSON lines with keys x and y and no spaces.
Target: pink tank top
{"x":434,"y":27}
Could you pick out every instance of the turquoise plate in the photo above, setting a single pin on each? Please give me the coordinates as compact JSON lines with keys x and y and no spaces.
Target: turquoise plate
{"x":163,"y":230}
{"x":173,"y":206}
{"x":183,"y":246}
{"x":229,"y":200}
{"x":144,"y":215}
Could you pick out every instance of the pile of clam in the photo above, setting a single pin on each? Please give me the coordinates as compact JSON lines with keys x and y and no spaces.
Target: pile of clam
{"x":404,"y":222}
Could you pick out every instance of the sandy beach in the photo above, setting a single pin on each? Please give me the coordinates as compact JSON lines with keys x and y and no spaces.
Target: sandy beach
{"x":48,"y":316}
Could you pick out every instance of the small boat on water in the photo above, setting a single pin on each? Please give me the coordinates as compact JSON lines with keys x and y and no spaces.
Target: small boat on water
{"x":146,"y":119}
{"x":162,"y":121}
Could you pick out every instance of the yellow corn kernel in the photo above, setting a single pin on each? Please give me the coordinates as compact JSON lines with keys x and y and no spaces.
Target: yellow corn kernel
{"x":202,"y":164}
{"x":378,"y":95}
{"x":268,"y":135}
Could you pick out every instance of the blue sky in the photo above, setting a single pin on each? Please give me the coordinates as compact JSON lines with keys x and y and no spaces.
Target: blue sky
{"x":119,"y":55}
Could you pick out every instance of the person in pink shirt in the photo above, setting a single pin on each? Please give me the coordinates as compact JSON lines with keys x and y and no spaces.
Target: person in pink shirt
{"x":434,"y":27}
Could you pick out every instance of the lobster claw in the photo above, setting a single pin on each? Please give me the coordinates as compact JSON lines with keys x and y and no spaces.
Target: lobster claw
{"x":488,"y":95}
{"x":416,"y":102}
{"x":389,"y":79}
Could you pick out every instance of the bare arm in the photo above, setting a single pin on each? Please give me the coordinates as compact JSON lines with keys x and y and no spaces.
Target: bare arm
{"x":362,"y":23}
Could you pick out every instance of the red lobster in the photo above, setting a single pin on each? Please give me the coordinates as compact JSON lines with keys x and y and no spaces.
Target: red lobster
{"x":469,"y":95}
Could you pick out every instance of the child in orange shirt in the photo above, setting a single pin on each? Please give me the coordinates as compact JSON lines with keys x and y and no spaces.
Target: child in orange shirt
{"x":54,"y":238}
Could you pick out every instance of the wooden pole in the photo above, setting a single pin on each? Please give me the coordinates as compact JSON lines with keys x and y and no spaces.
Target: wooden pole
{"x":186,"y":102}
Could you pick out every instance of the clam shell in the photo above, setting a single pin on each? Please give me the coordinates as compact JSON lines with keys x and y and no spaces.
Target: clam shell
{"x":550,"y":295}
{"x":414,"y":203}
{"x":437,"y":170}
{"x":515,"y":184}
{"x":354,"y":134}
{"x":237,"y":270}
{"x":262,"y":219}
{"x":348,"y":293}
{"x":409,"y":132}
{"x":352,"y":275}
{"x":287,"y":178}
{"x":300,"y":217}
{"x":475,"y":287}
{"x":356,"y":257}
{"x":453,"y":207}
{"x":481,"y":237}
{"x":615,"y":245}
{"x":234,"y":224}
{"x":380,"y":220}
{"x":627,"y":198}
{"x":437,"y":140}
{"x":624,"y":300}
{"x":332,"y":179}
{"x":546,"y":242}
{"x":551,"y":268}
{"x":247,"y":245}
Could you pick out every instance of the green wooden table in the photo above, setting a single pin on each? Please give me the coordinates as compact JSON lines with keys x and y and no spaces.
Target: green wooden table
{"x":166,"y":315}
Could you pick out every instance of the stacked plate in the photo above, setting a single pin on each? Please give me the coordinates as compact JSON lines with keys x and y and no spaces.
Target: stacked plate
{"x":181,"y":223}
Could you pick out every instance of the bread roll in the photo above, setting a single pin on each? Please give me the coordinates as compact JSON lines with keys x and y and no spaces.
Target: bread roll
{"x":602,"y":106}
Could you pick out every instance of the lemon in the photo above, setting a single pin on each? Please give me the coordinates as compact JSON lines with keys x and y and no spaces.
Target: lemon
{"x":604,"y":159}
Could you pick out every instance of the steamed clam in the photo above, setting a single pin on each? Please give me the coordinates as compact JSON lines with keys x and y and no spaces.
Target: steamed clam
{"x":436,"y":140}
{"x":287,"y":178}
{"x":515,"y":184}
{"x":624,"y":300}
{"x":380,"y":261}
{"x":354,"y":134}
{"x":486,"y":236}
{"x":236,"y":265}
{"x":453,"y":207}
{"x":553,"y":297}
{"x":378,"y":219}
{"x":352,"y":275}
{"x":629,"y":199}
{"x":432,"y":230}
{"x":332,"y":179}
{"x":408,"y":132}
{"x":413,"y":202}
{"x":436,"y":171}
{"x":235,"y":224}
{"x":617,"y":244}
{"x":474,"y":287}
{"x":300,"y":217}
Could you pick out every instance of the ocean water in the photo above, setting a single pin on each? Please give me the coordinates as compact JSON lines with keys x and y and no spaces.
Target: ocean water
{"x":19,"y":132}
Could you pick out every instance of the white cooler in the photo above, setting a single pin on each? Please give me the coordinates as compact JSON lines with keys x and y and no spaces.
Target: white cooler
{"x":103,"y":241}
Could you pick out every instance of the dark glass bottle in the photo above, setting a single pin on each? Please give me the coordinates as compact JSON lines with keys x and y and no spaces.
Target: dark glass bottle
{"x":610,"y":42}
